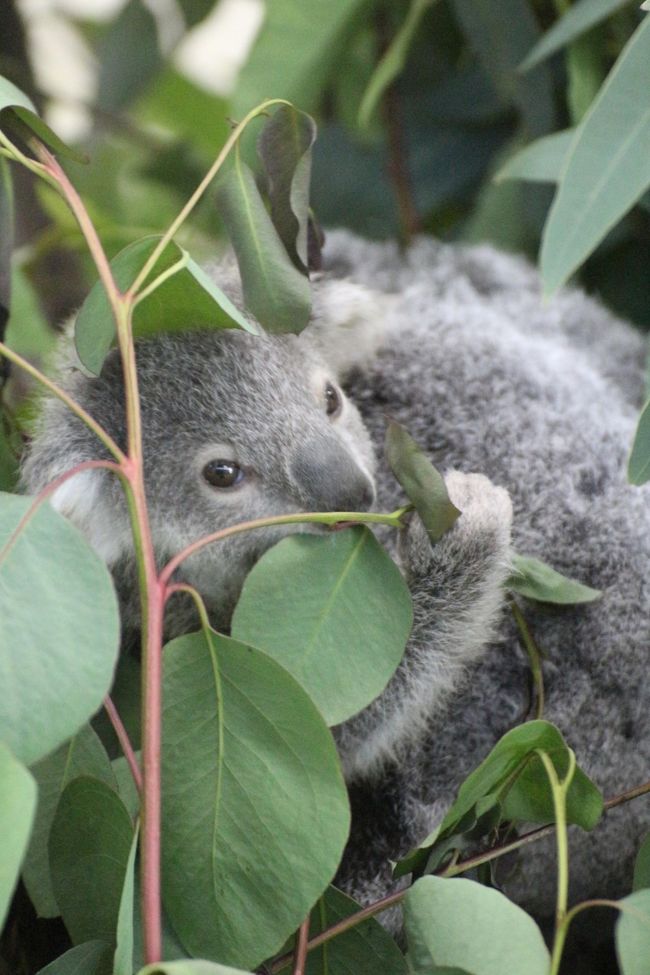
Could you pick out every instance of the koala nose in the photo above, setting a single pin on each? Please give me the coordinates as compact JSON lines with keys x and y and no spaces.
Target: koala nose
{"x":329,"y":479}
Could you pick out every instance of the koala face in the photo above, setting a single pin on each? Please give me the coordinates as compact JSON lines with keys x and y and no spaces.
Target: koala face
{"x":235,"y":427}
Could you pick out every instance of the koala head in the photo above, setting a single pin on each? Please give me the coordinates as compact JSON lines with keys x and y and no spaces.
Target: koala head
{"x":235,"y":427}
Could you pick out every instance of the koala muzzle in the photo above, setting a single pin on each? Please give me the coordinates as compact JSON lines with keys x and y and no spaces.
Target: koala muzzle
{"x":327,"y":478}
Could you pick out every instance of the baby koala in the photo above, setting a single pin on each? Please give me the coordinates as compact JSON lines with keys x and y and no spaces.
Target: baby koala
{"x":541,"y":399}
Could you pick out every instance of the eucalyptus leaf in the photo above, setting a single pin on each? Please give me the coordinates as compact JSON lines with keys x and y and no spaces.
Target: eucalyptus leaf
{"x":128,"y":56}
{"x":633,"y":933}
{"x":17,"y":808}
{"x":123,"y":958}
{"x":393,"y":61}
{"x":188,"y":299}
{"x":535,"y":579}
{"x":642,"y":866}
{"x":90,"y":844}
{"x":576,"y":21}
{"x":638,"y":468}
{"x":460,"y":923}
{"x":275,"y":291}
{"x":423,"y":484}
{"x":253,"y":758}
{"x":59,"y":628}
{"x":194,"y":967}
{"x":89,"y":958}
{"x":15,"y":102}
{"x":6,"y":246}
{"x":606,"y":170}
{"x":311,"y":598}
{"x":82,"y":755}
{"x":539,"y":162}
{"x":284,"y":147}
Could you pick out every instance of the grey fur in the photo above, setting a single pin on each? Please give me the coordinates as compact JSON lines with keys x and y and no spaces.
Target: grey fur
{"x":542,"y":399}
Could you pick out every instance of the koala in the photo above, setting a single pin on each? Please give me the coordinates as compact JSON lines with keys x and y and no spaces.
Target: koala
{"x":529,"y":407}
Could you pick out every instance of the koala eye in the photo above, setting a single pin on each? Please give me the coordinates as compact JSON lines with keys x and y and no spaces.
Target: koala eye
{"x":332,"y":400}
{"x":223,"y":473}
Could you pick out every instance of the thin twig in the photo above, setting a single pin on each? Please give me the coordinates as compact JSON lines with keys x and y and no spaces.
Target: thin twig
{"x":534,"y":655}
{"x":124,"y":740}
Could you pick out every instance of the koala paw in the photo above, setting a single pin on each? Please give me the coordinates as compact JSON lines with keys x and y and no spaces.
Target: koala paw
{"x":482,"y":530}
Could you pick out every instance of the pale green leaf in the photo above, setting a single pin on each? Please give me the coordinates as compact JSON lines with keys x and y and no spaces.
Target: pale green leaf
{"x":194,"y":967}
{"x":14,"y":101}
{"x":638,"y":468}
{"x":89,"y":958}
{"x":123,"y":958}
{"x":251,"y":758}
{"x":312,"y":598}
{"x":539,"y":162}
{"x":579,"y":18}
{"x":642,"y":866}
{"x":535,"y":579}
{"x":607,"y":168}
{"x":633,"y":933}
{"x":17,"y":808}
{"x":59,"y":628}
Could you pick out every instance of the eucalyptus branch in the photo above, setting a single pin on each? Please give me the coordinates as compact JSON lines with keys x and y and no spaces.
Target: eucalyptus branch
{"x":162,"y":277}
{"x":150,"y":263}
{"x":533,"y":652}
{"x":307,"y":517}
{"x":72,"y":405}
{"x":124,"y":740}
{"x":12,"y":151}
{"x":300,"y":956}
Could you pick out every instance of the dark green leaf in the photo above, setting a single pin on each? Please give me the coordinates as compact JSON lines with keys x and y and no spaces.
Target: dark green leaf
{"x":9,"y":453}
{"x":86,"y":959}
{"x":633,"y":933}
{"x":274,"y":290}
{"x":128,"y":56}
{"x":173,"y":102}
{"x":194,"y":11}
{"x":541,"y":161}
{"x":284,"y":147}
{"x":188,"y":299}
{"x":530,"y":800}
{"x":59,"y":628}
{"x":123,"y":959}
{"x":311,"y":598}
{"x":464,"y":924}
{"x":638,"y":468}
{"x":17,"y":808}
{"x":6,"y":245}
{"x":295,"y":52}
{"x":577,"y":20}
{"x":606,"y":169}
{"x":255,"y":759}
{"x":642,"y":866}
{"x":421,"y":481}
{"x":14,"y":102}
{"x":28,"y":331}
{"x":535,"y":579}
{"x":82,"y":755}
{"x":126,"y":787}
{"x":90,"y":843}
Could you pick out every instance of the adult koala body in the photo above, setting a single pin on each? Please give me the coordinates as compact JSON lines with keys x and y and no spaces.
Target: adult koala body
{"x":542,"y":400}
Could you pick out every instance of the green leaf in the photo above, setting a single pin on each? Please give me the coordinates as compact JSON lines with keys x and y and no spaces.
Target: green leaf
{"x":194,"y":11}
{"x":295,"y":52}
{"x":284,"y":147}
{"x":311,"y":598}
{"x":28,"y":331}
{"x":255,"y":760}
{"x":535,"y":579}
{"x":190,"y":968}
{"x":14,"y":102}
{"x":126,"y":787}
{"x":188,"y":299}
{"x":274,"y":290}
{"x":90,"y":843}
{"x":607,"y":167}
{"x":17,"y":808}
{"x":187,"y":112}
{"x":642,"y":866}
{"x":633,"y":933}
{"x":393,"y":61}
{"x":59,"y":628}
{"x":9,"y":454}
{"x":539,"y":162}
{"x":82,"y":755}
{"x":363,"y":950}
{"x":6,"y":244}
{"x":638,"y":467}
{"x":527,"y":792}
{"x":128,"y":56}
{"x":578,"y":19}
{"x":460,"y":923}
{"x":86,"y":959}
{"x":123,"y":959}
{"x":421,"y":481}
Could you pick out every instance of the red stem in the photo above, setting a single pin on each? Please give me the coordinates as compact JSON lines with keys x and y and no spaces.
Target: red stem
{"x":300,"y":957}
{"x":125,"y":743}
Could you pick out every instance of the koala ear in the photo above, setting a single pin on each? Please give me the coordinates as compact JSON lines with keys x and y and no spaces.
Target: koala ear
{"x":82,"y":499}
{"x":349,"y":323}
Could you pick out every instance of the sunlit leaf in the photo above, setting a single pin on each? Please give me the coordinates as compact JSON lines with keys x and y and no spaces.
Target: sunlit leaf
{"x":17,"y":808}
{"x":535,"y":579}
{"x":607,"y":167}
{"x":284,"y":147}
{"x":253,"y":758}
{"x":579,"y":18}
{"x":188,"y":299}
{"x":59,"y":629}
{"x":311,"y":598}
{"x":423,"y":484}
